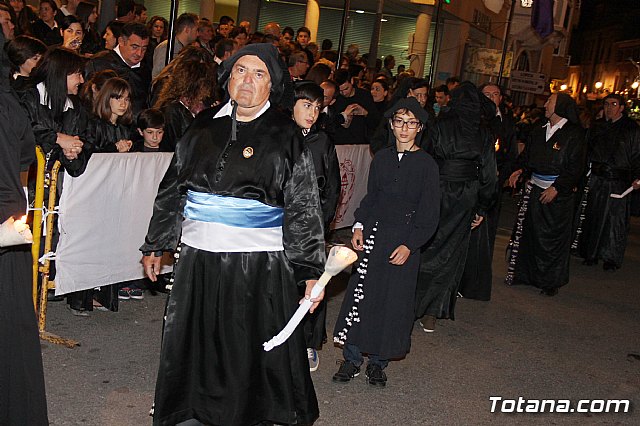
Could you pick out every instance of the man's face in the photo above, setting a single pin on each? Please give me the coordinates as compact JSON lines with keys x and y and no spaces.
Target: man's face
{"x":493,"y":93}
{"x":346,"y":89}
{"x":303,"y":38}
{"x":301,"y":67}
{"x":224,"y":30}
{"x":420,"y":94}
{"x":205,"y":34}
{"x":612,"y":109}
{"x":132,"y":48}
{"x":250,"y":82}
{"x":442,"y":99}
{"x":550,"y":106}
{"x":46,"y":12}
{"x":7,"y":25}
{"x":329,"y":94}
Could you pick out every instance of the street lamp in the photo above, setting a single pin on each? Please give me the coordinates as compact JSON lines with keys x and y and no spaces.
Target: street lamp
{"x":635,"y":85}
{"x":563,"y":87}
{"x":598,"y":85}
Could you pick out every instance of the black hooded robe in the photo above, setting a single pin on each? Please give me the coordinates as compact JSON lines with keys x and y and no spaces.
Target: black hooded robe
{"x":615,"y":164}
{"x":463,"y":148}
{"x":22,"y":390}
{"x":223,"y":306}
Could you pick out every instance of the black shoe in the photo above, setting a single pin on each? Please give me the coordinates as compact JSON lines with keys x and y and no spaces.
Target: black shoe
{"x":549,"y":291}
{"x":609,"y":266}
{"x":51,"y":296}
{"x":590,"y":262}
{"x":346,"y":372}
{"x":375,"y":375}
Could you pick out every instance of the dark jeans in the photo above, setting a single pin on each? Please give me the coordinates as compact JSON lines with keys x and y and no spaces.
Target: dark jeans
{"x":352,"y":353}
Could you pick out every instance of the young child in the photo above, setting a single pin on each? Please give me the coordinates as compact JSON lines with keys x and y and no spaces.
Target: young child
{"x":109,"y":128}
{"x":398,"y":215}
{"x":150,"y":125}
{"x":308,"y":98}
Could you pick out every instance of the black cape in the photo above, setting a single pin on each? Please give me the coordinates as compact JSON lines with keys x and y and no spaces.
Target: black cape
{"x":615,"y":164}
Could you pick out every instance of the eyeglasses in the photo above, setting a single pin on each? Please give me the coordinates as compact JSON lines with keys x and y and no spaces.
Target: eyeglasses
{"x":398,"y":123}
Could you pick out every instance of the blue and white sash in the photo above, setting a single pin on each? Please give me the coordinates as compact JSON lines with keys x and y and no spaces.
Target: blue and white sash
{"x":217,"y":223}
{"x":543,"y":181}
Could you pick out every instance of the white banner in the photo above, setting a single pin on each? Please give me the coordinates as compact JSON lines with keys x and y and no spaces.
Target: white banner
{"x":103,"y":219}
{"x":354,"y":173}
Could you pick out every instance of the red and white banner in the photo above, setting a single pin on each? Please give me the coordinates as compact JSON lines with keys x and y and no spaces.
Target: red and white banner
{"x":354,"y":173}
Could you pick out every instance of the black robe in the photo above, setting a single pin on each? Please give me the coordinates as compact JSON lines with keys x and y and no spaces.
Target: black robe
{"x":22,"y":391}
{"x":177,"y":118}
{"x":139,"y":78}
{"x":461,"y":143}
{"x":478,"y":272}
{"x":615,"y":164}
{"x":401,"y":207}
{"x":46,"y":128}
{"x":103,"y":135}
{"x":327,"y":168}
{"x":223,"y":306}
{"x":544,"y":248}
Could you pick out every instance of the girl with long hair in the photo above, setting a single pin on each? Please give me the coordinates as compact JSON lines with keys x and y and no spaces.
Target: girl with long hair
{"x":24,"y":53}
{"x":88,"y":15}
{"x":109,"y":128}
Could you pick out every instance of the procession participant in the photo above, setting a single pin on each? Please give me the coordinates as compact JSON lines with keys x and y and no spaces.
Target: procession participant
{"x":461,"y":144}
{"x":554,"y":157}
{"x":615,"y":164}
{"x":242,"y":192}
{"x":22,"y":391}
{"x":398,"y":215}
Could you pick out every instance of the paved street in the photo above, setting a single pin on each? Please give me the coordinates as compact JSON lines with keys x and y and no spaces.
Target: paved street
{"x":582,"y":344}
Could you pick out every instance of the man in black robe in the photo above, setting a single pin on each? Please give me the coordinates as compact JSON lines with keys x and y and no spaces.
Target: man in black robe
{"x":554,"y":159}
{"x":614,"y":153}
{"x":22,"y":394}
{"x":461,"y":143}
{"x":127,"y":61}
{"x":477,"y":278}
{"x":241,"y":191}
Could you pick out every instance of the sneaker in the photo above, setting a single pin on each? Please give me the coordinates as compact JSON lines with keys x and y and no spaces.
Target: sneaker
{"x":123,"y":293}
{"x":78,"y":312}
{"x":314,"y":361}
{"x":428,"y":323}
{"x":346,"y":372}
{"x":136,"y":293}
{"x":375,"y":375}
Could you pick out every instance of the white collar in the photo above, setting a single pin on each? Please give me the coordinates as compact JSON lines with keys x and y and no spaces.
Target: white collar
{"x":558,"y":125}
{"x":227,"y":108}
{"x":117,"y":50}
{"x":42,"y":90}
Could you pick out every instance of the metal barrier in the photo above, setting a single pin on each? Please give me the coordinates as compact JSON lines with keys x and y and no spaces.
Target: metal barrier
{"x":42,"y":270}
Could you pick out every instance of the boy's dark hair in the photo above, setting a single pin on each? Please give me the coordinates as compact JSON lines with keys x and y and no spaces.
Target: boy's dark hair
{"x":223,"y":46}
{"x":139,"y":8}
{"x":309,"y":91}
{"x":288,"y":30}
{"x":341,"y":76}
{"x":225,"y":20}
{"x":303,"y":30}
{"x":124,"y":7}
{"x":442,"y":89}
{"x":22,"y":48}
{"x":327,"y":44}
{"x":151,"y":118}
